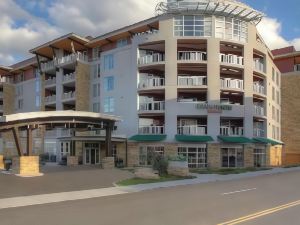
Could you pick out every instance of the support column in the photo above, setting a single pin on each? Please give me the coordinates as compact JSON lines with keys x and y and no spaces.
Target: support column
{"x":29,"y":141}
{"x":15,"y":132}
{"x":108,"y":146}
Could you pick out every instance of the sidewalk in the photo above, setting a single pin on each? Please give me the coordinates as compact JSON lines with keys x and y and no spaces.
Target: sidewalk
{"x":102,"y":192}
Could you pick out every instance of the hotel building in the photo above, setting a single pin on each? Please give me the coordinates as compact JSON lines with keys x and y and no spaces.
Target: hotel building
{"x":196,"y":80}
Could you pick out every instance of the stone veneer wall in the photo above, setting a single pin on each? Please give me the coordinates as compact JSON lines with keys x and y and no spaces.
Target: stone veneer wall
{"x":1,"y":162}
{"x":213,"y":156}
{"x":276,"y":155}
{"x":82,"y":86}
{"x":26,"y":165}
{"x":248,"y":155}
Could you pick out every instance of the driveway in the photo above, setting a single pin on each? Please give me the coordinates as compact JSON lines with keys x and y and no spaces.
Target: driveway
{"x":60,"y":179}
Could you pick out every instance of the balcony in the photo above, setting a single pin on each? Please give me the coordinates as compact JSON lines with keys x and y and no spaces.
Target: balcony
{"x":151,"y":130}
{"x":231,"y":131}
{"x":69,"y":95}
{"x":258,"y":65}
{"x":259,"y":110}
{"x":258,"y":132}
{"x":232,"y":59}
{"x":259,"y":89}
{"x":50,"y":99}
{"x":232,"y":84}
{"x":152,"y":83}
{"x":192,"y":80}
{"x":297,"y":67}
{"x":192,"y":130}
{"x":50,"y":82}
{"x":69,"y":78}
{"x":191,"y":56}
{"x":150,"y":59}
{"x":154,"y":106}
{"x":6,"y":80}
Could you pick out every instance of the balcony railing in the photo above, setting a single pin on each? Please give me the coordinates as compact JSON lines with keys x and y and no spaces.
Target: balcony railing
{"x":259,"y":110}
{"x":69,"y":95}
{"x":69,"y":77}
{"x":152,"y":82}
{"x":232,"y":59}
{"x":297,"y":67}
{"x":50,"y":81}
{"x":153,"y":58}
{"x":191,"y":56}
{"x":152,"y":106}
{"x":50,"y":98}
{"x":258,"y":65}
{"x":63,"y":60}
{"x":258,"y":132}
{"x":151,"y":130}
{"x":232,"y":83}
{"x":258,"y":88}
{"x":231,"y":131}
{"x":192,"y":130}
{"x":192,"y":80}
{"x":6,"y":80}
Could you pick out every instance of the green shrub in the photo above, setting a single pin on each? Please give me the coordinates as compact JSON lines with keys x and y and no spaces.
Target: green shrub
{"x":178,"y":158}
{"x":160,"y":164}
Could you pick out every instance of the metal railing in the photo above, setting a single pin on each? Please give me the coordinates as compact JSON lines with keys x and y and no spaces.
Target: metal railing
{"x":232,"y":59}
{"x":258,"y":132}
{"x":258,"y":65}
{"x":152,"y":82}
{"x":231,"y":131}
{"x":232,"y":83}
{"x":69,"y":95}
{"x":259,"y":110}
{"x":152,"y":106}
{"x":50,"y":81}
{"x":258,"y":88}
{"x":191,"y":56}
{"x":50,"y":98}
{"x":69,"y":77}
{"x":151,"y":130}
{"x":192,"y":80}
{"x":6,"y":80}
{"x":192,"y":130}
{"x":153,"y":58}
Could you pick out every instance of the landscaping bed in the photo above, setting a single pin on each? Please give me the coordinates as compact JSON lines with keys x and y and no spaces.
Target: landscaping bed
{"x":227,"y":171}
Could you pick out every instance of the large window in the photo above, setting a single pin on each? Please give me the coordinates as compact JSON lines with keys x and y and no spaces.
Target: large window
{"x":197,"y":156}
{"x":231,"y":29}
{"x":109,"y":104}
{"x":232,"y":157}
{"x":96,"y":107}
{"x":108,"y":62}
{"x":260,"y":157}
{"x":96,"y":90}
{"x":122,"y":43}
{"x":109,"y":83}
{"x":193,"y":26}
{"x":148,"y":152}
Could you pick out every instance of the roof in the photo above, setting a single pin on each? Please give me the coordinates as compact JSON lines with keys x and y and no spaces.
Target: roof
{"x":63,"y":42}
{"x":148,"y":138}
{"x":193,"y":138}
{"x":124,"y":32}
{"x":229,"y":139}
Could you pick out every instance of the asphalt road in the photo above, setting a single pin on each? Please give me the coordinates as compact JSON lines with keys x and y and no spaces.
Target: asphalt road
{"x":211,"y":203}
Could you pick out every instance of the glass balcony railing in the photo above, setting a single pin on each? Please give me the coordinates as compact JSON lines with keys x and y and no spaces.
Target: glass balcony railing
{"x":192,"y":80}
{"x":50,"y":81}
{"x":258,"y":65}
{"x":258,"y":88}
{"x":231,"y":131}
{"x":192,"y":130}
{"x":258,"y":132}
{"x":151,"y":130}
{"x":232,"y":83}
{"x":152,"y":82}
{"x":69,"y":77}
{"x":259,"y":110}
{"x":153,"y":58}
{"x":50,"y":98}
{"x":152,"y":106}
{"x":69,"y":95}
{"x":232,"y":59}
{"x":191,"y":56}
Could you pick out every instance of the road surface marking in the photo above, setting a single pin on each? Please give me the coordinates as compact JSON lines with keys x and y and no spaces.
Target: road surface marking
{"x":261,"y":213}
{"x":234,"y":192}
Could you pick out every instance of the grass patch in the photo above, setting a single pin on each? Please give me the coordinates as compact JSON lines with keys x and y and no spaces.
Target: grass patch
{"x":135,"y":180}
{"x":227,"y":171}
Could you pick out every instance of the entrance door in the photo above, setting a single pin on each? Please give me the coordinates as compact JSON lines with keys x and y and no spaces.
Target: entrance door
{"x":92,"y":154}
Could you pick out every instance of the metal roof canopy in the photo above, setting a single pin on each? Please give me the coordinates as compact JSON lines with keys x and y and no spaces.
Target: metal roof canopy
{"x":56,"y":119}
{"x":227,"y":8}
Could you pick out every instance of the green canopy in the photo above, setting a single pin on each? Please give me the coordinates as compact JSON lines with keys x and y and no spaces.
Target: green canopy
{"x":228,"y":139}
{"x":148,"y":137}
{"x":192,"y":138}
{"x":266,"y":141}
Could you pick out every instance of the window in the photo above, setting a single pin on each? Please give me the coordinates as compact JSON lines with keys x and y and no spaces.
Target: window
{"x":19,"y":90}
{"x":122,"y":43}
{"x":37,"y":101}
{"x":278,"y":116}
{"x":197,"y":156}
{"x":109,"y":104}
{"x":277,"y":97}
{"x":96,"y":107}
{"x":273,"y":113}
{"x":273,"y":132}
{"x":277,"y":78}
{"x":20,"y":104}
{"x":96,"y":90}
{"x":277,"y":133}
{"x":200,"y":26}
{"x":109,"y":83}
{"x":96,"y":53}
{"x":273,"y":93}
{"x":232,"y":157}
{"x":260,"y":157}
{"x":37,"y":93}
{"x":273,"y":74}
{"x":231,"y":28}
{"x":146,"y":154}
{"x":97,"y":71}
{"x":108,"y":62}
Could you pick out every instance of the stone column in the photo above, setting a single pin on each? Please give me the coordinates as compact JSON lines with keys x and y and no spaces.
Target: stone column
{"x":213,"y":156}
{"x":248,"y":155}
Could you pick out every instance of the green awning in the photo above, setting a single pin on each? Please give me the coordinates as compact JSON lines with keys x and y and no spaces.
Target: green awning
{"x":228,"y":139}
{"x":148,"y":137}
{"x":192,"y":138}
{"x":266,"y":141}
